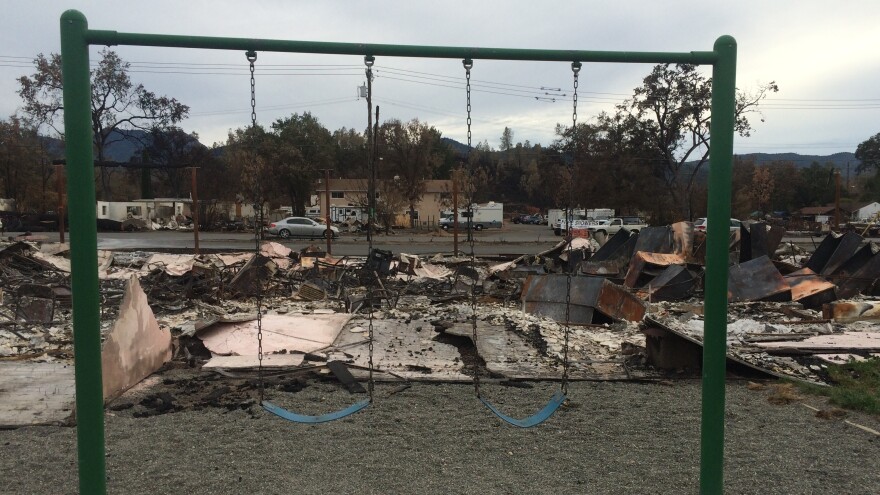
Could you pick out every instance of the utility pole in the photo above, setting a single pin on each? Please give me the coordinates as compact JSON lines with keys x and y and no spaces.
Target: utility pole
{"x":60,"y":186}
{"x":371,"y":182}
{"x":195,"y":213}
{"x":376,"y":160}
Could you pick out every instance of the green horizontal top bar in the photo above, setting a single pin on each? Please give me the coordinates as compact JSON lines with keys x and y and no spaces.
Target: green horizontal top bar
{"x":109,"y":38}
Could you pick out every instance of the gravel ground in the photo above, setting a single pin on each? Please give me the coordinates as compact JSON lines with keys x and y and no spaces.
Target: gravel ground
{"x":612,"y":438}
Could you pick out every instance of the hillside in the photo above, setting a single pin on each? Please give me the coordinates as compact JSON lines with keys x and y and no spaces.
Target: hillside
{"x":132,"y":141}
{"x":839,"y":160}
{"x":126,"y":145}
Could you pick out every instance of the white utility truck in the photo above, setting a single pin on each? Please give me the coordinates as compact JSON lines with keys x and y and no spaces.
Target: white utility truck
{"x":485,"y":216}
{"x":633,"y":224}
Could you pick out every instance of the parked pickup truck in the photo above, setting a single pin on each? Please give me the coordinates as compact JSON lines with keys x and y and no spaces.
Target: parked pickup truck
{"x":562,"y":227}
{"x":612,"y":225}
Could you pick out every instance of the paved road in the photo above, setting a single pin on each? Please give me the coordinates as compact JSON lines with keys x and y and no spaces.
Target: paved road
{"x":512,"y":239}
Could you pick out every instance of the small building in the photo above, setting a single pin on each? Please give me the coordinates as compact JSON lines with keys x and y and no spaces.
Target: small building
{"x":348,"y":200}
{"x":823,"y":214}
{"x":865,"y":211}
{"x":158,"y":210}
{"x":229,"y":210}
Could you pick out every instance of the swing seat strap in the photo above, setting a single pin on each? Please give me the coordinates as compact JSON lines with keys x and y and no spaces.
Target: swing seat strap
{"x":323,"y":418}
{"x":535,"y":419}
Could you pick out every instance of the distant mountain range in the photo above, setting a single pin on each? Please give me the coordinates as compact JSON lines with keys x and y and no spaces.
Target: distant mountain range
{"x":132,"y":141}
{"x":839,"y":160}
{"x":125,"y":145}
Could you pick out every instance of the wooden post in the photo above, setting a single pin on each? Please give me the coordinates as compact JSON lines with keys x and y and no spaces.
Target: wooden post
{"x":60,"y":186}
{"x":195,"y":212}
{"x":836,"y":201}
{"x":329,"y":235}
{"x":455,"y":213}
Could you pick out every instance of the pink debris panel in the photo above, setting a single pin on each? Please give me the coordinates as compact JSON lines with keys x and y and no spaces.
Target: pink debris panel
{"x":281,"y":333}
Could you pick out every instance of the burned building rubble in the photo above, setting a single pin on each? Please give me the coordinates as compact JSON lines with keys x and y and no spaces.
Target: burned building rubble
{"x":631,"y":309}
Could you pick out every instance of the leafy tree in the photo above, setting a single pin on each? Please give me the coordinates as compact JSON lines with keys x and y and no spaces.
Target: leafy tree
{"x":673,"y":104}
{"x":787,"y":182}
{"x":741,"y":176}
{"x":507,"y":139}
{"x":350,"y":153}
{"x":411,"y":153}
{"x":817,"y":185}
{"x":246,"y":159}
{"x":171,"y":149}
{"x":762,"y":188}
{"x":868,"y":153}
{"x":117,"y":103}
{"x":25,"y":171}
{"x":300,"y":147}
{"x":389,"y":203}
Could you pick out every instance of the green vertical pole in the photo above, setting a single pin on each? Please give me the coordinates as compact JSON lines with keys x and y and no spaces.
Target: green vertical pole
{"x":715,"y":334}
{"x":83,"y":253}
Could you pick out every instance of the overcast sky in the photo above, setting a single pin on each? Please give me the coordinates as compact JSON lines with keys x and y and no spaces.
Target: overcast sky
{"x":823,"y":55}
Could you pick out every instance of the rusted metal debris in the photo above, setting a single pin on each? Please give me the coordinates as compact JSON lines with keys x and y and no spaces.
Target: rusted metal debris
{"x":809,"y":289}
{"x":645,"y":266}
{"x":593,"y":299}
{"x":675,"y":283}
{"x":311,"y":291}
{"x":859,"y":272}
{"x":655,"y":240}
{"x":620,"y":245}
{"x":248,"y":281}
{"x":683,"y":239}
{"x":759,"y":239}
{"x":757,"y":280}
{"x":35,"y":303}
{"x":849,"y":311}
{"x":670,"y":347}
{"x":833,"y":251}
{"x":379,"y":261}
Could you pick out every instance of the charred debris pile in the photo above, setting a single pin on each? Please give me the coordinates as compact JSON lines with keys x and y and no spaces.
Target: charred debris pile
{"x":635,"y":306}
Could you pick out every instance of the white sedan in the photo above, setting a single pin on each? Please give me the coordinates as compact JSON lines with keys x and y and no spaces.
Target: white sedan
{"x":301,"y":227}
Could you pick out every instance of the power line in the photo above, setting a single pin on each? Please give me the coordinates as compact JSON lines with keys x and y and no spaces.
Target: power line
{"x":206,"y":68}
{"x":317,"y":103}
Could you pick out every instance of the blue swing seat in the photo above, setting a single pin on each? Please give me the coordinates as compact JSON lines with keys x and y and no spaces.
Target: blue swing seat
{"x":535,"y":419}
{"x":323,"y":418}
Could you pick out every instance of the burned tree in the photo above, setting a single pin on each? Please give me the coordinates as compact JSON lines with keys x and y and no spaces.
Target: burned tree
{"x":117,"y":104}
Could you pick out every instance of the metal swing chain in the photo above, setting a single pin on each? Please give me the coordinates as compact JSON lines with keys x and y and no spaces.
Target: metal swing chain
{"x":468,"y":64}
{"x":251,"y":58}
{"x":575,"y":68}
{"x":369,"y":61}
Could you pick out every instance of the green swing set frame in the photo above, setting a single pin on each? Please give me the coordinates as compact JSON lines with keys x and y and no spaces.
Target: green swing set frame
{"x":76,"y":37}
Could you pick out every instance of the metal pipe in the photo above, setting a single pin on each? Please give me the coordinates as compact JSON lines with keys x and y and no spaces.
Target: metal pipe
{"x":83,"y":253}
{"x":715,"y":340}
{"x":75,"y":39}
{"x":59,"y":184}
{"x":109,"y":38}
